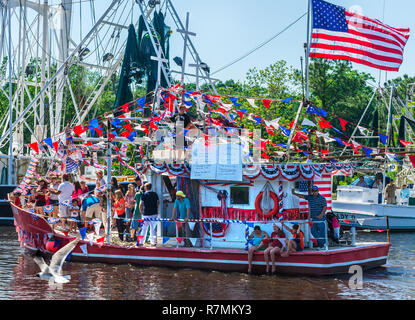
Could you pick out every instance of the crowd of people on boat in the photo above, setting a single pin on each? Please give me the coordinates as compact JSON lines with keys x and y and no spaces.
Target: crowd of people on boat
{"x":72,"y":205}
{"x":390,"y":191}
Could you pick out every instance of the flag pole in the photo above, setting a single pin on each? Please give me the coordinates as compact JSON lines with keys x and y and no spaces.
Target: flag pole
{"x":307,"y":59}
{"x":300,"y":107}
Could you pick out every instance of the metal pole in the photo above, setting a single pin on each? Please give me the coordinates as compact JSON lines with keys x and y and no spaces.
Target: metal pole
{"x":360,"y":120}
{"x":386,"y":146}
{"x":184,"y":48}
{"x":387,"y":228}
{"x":307,"y":59}
{"x":293,"y":129}
{"x":109,"y":166}
{"x":326,"y":239}
{"x":10,"y":169}
{"x":62,"y":67}
{"x":353,"y":230}
{"x":191,"y":46}
{"x":156,"y":49}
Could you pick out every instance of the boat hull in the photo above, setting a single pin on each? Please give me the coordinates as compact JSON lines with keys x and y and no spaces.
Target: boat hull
{"x":373,"y":216}
{"x":33,"y":231}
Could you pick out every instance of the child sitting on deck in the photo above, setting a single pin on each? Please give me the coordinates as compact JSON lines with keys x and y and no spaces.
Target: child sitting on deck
{"x":296,"y":244}
{"x":74,"y":214}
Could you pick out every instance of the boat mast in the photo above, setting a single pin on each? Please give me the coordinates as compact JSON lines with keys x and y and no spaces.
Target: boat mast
{"x":10,"y":169}
{"x":389,"y":123}
{"x":108,"y":191}
{"x":307,"y":92}
{"x":307,"y":57}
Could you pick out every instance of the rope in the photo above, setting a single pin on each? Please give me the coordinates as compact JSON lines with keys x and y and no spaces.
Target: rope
{"x":260,"y":45}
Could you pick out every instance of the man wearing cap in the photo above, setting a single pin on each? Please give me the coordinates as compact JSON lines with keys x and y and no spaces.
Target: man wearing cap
{"x":182,"y":204}
{"x":317,"y":208}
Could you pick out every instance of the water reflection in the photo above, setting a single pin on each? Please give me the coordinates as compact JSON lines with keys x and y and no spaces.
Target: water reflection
{"x":126,"y":282}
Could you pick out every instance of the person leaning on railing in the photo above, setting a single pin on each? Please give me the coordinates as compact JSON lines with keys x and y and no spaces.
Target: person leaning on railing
{"x":317,"y":209}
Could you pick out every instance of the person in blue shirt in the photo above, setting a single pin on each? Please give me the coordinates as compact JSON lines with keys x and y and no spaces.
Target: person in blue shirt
{"x":91,"y":208}
{"x":317,"y":209}
{"x":405,"y":194}
{"x":182,"y":207}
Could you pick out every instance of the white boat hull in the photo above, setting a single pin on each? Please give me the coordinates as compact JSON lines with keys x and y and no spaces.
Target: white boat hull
{"x":373,"y":216}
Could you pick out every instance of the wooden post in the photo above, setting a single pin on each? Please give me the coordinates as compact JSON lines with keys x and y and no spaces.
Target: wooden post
{"x":387,"y":229}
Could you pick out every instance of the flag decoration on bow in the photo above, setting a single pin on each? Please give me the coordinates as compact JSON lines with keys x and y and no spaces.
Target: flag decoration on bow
{"x":343,"y":35}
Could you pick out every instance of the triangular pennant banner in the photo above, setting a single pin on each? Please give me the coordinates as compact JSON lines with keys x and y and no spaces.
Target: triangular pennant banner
{"x":82,"y":231}
{"x":252,"y":102}
{"x":192,"y":225}
{"x":266,"y":103}
{"x":343,"y":123}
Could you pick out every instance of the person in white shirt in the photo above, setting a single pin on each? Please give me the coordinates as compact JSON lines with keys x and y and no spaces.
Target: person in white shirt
{"x":65,"y":191}
{"x":379,"y":185}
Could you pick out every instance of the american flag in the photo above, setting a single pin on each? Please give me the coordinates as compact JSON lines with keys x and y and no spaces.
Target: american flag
{"x":71,"y":165}
{"x":324,"y":185}
{"x":344,"y":35}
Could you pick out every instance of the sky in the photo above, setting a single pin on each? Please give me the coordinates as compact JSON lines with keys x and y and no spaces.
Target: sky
{"x":227,"y":29}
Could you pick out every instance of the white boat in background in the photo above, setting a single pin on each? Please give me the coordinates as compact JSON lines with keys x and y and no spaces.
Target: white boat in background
{"x":359,"y":206}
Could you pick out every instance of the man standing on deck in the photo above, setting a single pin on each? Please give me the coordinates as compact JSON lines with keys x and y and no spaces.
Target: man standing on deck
{"x":390,"y":192}
{"x":65,"y":191}
{"x":149,"y":204}
{"x":317,"y":208}
{"x":378,"y":185}
{"x":182,"y":204}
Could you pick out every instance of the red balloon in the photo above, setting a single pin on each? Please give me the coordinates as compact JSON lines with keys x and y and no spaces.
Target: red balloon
{"x":50,"y":246}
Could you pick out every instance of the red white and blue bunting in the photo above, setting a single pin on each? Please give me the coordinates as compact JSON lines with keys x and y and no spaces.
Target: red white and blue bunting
{"x":289,"y":172}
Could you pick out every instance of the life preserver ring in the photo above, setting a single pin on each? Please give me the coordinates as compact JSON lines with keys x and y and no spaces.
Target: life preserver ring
{"x":258,"y":205}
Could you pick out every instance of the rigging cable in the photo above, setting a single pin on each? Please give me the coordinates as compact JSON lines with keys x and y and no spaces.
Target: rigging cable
{"x":260,"y":45}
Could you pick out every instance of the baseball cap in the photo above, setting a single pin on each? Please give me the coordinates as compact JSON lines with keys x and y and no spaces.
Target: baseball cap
{"x":314,"y":188}
{"x":180,"y":194}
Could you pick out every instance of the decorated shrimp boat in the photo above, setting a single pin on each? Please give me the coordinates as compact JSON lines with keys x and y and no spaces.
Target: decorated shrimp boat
{"x":224,"y":213}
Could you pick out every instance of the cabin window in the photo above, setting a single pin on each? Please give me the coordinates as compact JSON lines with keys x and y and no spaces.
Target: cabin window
{"x":239,"y":195}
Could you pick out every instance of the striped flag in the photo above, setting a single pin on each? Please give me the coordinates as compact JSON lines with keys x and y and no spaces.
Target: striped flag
{"x":71,"y":165}
{"x":324,"y":185}
{"x":343,"y":35}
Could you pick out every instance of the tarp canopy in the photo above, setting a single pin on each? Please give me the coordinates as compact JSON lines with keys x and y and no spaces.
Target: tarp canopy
{"x":128,"y":69}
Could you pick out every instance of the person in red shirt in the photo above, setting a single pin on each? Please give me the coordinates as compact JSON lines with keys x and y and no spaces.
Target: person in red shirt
{"x":15,"y":198}
{"x":119,"y":215}
{"x":275,"y":246}
{"x":40,"y":195}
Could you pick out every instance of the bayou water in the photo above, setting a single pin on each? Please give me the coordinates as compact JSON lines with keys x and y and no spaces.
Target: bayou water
{"x":96,"y":281}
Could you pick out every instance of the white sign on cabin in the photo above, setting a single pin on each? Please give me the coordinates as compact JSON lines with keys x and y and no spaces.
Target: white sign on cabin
{"x":216,"y":161}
